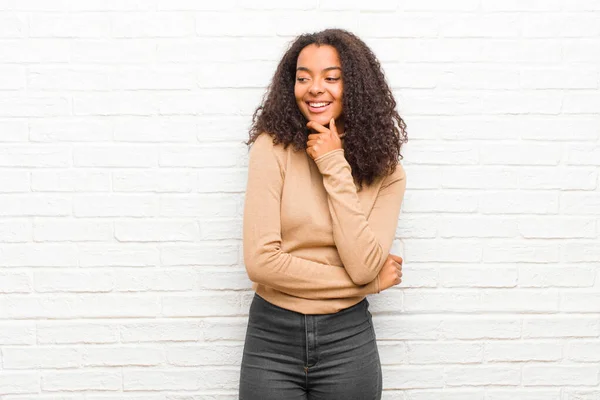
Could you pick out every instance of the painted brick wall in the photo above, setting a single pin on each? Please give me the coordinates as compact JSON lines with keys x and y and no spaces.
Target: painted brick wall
{"x":122,"y":178}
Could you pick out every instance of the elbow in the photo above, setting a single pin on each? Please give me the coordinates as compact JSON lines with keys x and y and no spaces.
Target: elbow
{"x":363,"y":277}
{"x":367,"y":269}
{"x":255,"y":263}
{"x":251,"y":263}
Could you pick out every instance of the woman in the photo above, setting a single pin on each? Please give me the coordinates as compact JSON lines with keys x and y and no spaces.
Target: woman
{"x":321,"y":209}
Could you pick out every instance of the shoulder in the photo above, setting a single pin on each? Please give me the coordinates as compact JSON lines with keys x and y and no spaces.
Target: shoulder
{"x":265,"y":142}
{"x":266,"y":150}
{"x":398,"y":176}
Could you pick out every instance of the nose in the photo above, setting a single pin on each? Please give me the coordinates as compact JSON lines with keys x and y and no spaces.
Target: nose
{"x":316,"y":88}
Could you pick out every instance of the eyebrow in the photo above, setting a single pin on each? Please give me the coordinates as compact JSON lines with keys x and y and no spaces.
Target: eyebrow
{"x":324,"y":69}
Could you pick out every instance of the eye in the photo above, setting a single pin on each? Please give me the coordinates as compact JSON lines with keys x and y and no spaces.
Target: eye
{"x":300,"y":79}
{"x":331,"y":79}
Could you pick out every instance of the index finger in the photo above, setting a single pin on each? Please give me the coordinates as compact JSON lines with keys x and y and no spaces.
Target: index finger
{"x":317,"y":127}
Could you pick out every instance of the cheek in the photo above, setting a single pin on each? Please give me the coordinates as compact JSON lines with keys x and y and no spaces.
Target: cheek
{"x":298,"y":93}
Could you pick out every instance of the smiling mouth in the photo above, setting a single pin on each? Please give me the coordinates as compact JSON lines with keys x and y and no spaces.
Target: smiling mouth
{"x":318,"y":107}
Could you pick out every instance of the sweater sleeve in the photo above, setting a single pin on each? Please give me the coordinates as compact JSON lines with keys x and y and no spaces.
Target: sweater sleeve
{"x":362,"y":243}
{"x":265,"y":262}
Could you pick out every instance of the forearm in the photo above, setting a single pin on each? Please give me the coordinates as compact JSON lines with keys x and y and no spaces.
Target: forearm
{"x":363,"y":243}
{"x":302,"y":278}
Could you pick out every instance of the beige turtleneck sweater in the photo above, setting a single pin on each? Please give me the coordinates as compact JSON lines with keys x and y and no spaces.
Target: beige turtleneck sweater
{"x":313,"y":243}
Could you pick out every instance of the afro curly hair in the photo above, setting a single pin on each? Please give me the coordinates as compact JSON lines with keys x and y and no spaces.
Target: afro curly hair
{"x":374,"y":131}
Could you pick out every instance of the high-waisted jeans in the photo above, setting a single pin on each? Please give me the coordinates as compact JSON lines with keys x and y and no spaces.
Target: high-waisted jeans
{"x":293,"y":356}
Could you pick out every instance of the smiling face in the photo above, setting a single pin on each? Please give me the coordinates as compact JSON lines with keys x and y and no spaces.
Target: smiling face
{"x":318,"y":88}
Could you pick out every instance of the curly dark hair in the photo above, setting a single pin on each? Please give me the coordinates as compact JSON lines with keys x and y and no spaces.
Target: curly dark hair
{"x":374,"y":131}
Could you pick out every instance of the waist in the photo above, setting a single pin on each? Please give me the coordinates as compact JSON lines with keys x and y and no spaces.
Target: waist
{"x":306,"y":306}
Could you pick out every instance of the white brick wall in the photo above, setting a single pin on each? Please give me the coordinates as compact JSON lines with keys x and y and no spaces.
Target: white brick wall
{"x":122,"y":175}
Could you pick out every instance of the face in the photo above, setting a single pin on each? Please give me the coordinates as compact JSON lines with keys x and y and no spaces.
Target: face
{"x":318,"y":88}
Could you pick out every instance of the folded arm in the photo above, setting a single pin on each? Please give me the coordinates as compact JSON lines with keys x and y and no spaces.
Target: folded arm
{"x":265,"y":262}
{"x":363,"y":243}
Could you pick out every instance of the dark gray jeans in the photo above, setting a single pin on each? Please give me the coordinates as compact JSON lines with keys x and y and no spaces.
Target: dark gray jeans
{"x":292,"y":356}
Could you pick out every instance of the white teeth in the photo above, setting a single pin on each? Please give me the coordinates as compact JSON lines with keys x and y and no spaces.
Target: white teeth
{"x":318,"y":104}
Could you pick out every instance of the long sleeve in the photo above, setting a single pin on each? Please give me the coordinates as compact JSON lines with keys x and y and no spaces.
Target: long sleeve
{"x":265,"y":262}
{"x":363,"y":243}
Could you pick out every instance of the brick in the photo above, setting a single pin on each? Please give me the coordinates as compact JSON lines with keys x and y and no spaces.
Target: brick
{"x":481,"y":375}
{"x":15,"y":230}
{"x":388,"y":25}
{"x":560,"y":375}
{"x":111,"y":52}
{"x":81,"y":380}
{"x":564,"y":275}
{"x":67,"y":25}
{"x":205,"y":354}
{"x":204,"y":206}
{"x":524,"y":394}
{"x":152,"y":280}
{"x":478,"y":276}
{"x":409,"y":377}
{"x":34,"y":156}
{"x":487,"y":25}
{"x":423,"y":300}
{"x":118,"y":255}
{"x":151,"y":24}
{"x":31,"y":358}
{"x":392,"y":352}
{"x":584,"y":155}
{"x":71,"y":230}
{"x":580,"y":302}
{"x":444,"y":353}
{"x":159,"y":181}
{"x":157,"y":231}
{"x":71,"y":332}
{"x":477,"y":227}
{"x":79,"y":306}
{"x":73,"y":281}
{"x":17,"y":333}
{"x":525,"y":351}
{"x":115,"y":205}
{"x":11,"y":78}
{"x":19,"y":382}
{"x":15,"y":282}
{"x":13,"y":130}
{"x":179,"y":379}
{"x":70,"y":181}
{"x":204,"y":305}
{"x":516,"y":300}
{"x":162,"y":330}
{"x":519,"y":202}
{"x":564,"y":178}
{"x":439,"y":201}
{"x":554,"y":227}
{"x":481,"y":327}
{"x":580,"y":203}
{"x":521,"y":154}
{"x":155,"y":128}
{"x":105,"y":356}
{"x":583,"y":351}
{"x":17,"y":205}
{"x":448,"y":250}
{"x":14,"y":181}
{"x":68,"y":129}
{"x":39,"y":255}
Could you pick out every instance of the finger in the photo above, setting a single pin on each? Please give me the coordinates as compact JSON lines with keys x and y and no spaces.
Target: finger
{"x":311,"y":143}
{"x":398,"y":259}
{"x":317,"y":127}
{"x":333,"y":128}
{"x":315,"y":136}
